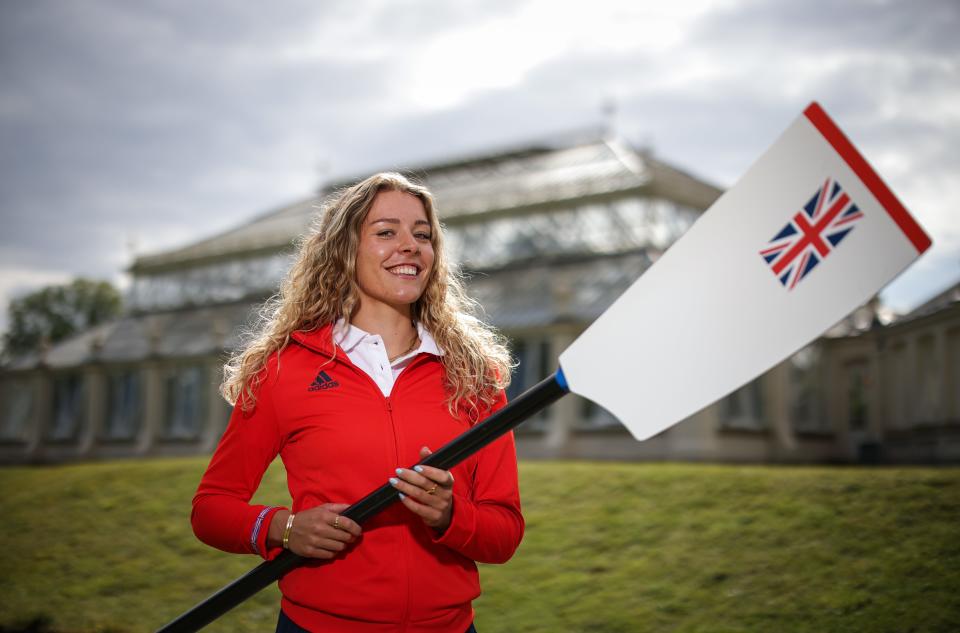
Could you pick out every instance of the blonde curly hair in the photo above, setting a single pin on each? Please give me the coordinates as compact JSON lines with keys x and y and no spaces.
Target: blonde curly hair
{"x":321,"y":287}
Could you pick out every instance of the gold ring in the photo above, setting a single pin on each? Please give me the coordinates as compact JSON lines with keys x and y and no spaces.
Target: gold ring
{"x":432,"y":490}
{"x":336,"y":522}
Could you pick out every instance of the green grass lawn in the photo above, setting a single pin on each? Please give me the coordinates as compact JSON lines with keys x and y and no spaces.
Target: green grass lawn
{"x":608,"y":547}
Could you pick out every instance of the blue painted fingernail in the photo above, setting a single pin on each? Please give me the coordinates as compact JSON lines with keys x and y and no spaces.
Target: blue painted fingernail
{"x":399,"y":471}
{"x":394,"y":481}
{"x":419,"y":469}
{"x":402,"y":496}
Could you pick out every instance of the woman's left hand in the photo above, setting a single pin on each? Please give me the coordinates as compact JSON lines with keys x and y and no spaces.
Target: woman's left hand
{"x":427,"y":492}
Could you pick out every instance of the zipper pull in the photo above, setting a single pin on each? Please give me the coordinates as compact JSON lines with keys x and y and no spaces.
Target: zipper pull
{"x":389,"y":406}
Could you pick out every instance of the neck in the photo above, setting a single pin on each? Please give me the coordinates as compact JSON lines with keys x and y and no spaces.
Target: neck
{"x":394,"y":325}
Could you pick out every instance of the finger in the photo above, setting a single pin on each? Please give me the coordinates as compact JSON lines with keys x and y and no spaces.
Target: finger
{"x":320,"y":536}
{"x":427,"y":477}
{"x":437,"y":476}
{"x":430,"y":486}
{"x":344,"y":525}
{"x":333,"y":534}
{"x":311,"y":547}
{"x":341,"y":523}
{"x":418,"y":493}
{"x":316,"y":552}
{"x":447,"y":477}
{"x":413,"y":477}
{"x":427,"y":513}
{"x":329,"y":544}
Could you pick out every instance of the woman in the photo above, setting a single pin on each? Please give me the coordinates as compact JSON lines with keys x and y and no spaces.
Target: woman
{"x":365,"y":359}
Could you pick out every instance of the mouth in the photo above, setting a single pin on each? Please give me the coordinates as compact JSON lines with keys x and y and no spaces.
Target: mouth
{"x":405,"y":270}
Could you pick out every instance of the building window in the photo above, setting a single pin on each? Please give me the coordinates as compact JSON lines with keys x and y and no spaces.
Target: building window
{"x":743,"y":409}
{"x":68,"y":404}
{"x":897,"y":393}
{"x":619,"y":226}
{"x":929,"y":375}
{"x":532,"y":355}
{"x":124,"y":410}
{"x":219,"y":282}
{"x":953,"y":376}
{"x":16,"y":406}
{"x":858,"y":400}
{"x":593,"y":416}
{"x":806,"y":401}
{"x":185,"y":387}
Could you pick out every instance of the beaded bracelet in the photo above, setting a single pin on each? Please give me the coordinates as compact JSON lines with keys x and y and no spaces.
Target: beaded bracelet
{"x":286,"y":532}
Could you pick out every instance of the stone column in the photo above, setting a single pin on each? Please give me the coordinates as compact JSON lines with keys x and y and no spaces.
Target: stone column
{"x":40,"y":411}
{"x":566,"y":410}
{"x":875,"y":419}
{"x":216,"y":409}
{"x":942,"y":355}
{"x":835,"y":404}
{"x":780,"y":391}
{"x":912,"y":392}
{"x":94,"y":388}
{"x":154,"y":407}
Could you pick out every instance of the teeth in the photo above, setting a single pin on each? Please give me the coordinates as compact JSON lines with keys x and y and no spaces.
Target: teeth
{"x":404,"y":270}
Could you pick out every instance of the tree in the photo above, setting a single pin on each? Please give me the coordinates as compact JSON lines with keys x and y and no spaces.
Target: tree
{"x":54,"y":313}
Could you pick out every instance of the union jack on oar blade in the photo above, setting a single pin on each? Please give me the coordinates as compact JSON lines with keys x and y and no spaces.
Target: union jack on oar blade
{"x":812,"y":234}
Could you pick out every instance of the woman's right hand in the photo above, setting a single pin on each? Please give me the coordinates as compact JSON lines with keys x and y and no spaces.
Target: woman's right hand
{"x":319,"y":532}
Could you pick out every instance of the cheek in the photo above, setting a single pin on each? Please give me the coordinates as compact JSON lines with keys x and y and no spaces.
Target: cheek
{"x":366,"y":268}
{"x":428,"y":258}
{"x":370,"y":257}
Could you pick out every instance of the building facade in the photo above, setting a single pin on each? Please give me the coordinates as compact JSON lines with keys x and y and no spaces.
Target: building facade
{"x":548,"y":236}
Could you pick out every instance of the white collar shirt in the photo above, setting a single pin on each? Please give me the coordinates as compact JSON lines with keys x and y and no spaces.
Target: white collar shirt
{"x":368,"y":352}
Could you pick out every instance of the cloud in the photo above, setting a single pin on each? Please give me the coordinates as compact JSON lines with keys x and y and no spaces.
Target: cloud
{"x":921,"y":26}
{"x":162,"y":122}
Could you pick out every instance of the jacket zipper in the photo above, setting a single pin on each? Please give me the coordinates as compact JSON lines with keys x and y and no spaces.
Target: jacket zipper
{"x":405,"y":616}
{"x":404,"y":546}
{"x":342,"y":358}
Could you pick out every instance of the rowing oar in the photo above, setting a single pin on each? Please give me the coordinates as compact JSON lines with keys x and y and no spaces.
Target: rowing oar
{"x":807,"y":235}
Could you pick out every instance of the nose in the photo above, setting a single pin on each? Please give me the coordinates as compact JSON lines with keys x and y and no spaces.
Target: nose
{"x":408,"y":243}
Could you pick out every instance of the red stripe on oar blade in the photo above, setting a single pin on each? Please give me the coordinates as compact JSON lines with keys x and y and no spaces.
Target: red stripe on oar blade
{"x":859,"y":165}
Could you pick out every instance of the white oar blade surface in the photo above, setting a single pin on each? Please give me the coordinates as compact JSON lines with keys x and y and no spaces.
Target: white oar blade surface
{"x":806,"y":236}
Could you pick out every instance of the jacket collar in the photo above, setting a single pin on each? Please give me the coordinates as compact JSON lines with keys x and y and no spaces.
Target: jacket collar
{"x":319,"y":339}
{"x":347,"y":337}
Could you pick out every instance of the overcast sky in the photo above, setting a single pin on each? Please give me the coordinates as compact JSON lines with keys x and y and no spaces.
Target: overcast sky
{"x":132,"y":127}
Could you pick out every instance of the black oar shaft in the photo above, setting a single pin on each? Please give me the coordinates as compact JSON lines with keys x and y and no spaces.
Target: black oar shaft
{"x":452,"y":453}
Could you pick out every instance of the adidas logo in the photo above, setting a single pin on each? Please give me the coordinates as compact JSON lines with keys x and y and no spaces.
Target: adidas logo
{"x":323,"y":381}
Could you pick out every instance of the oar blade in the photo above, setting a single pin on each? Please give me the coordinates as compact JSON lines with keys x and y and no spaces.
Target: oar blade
{"x":806,"y":236}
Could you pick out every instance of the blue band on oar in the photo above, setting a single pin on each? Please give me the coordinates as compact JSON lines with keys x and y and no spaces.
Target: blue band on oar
{"x":561,"y":379}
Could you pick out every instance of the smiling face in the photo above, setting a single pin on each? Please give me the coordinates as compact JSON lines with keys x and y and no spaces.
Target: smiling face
{"x":394,"y":254}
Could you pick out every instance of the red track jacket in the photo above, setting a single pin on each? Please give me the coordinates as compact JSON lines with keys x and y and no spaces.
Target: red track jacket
{"x":339,"y":439}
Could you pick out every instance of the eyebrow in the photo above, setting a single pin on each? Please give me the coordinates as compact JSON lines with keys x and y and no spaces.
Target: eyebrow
{"x":397,"y":221}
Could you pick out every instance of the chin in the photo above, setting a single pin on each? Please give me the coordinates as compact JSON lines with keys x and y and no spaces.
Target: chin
{"x":406,"y":302}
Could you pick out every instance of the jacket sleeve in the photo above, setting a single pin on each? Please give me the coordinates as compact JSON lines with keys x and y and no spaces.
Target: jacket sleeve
{"x":487,"y":524}
{"x":222,"y":514}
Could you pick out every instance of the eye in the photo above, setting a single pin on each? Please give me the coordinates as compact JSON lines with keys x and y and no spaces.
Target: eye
{"x":385,"y":233}
{"x":422,"y":236}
